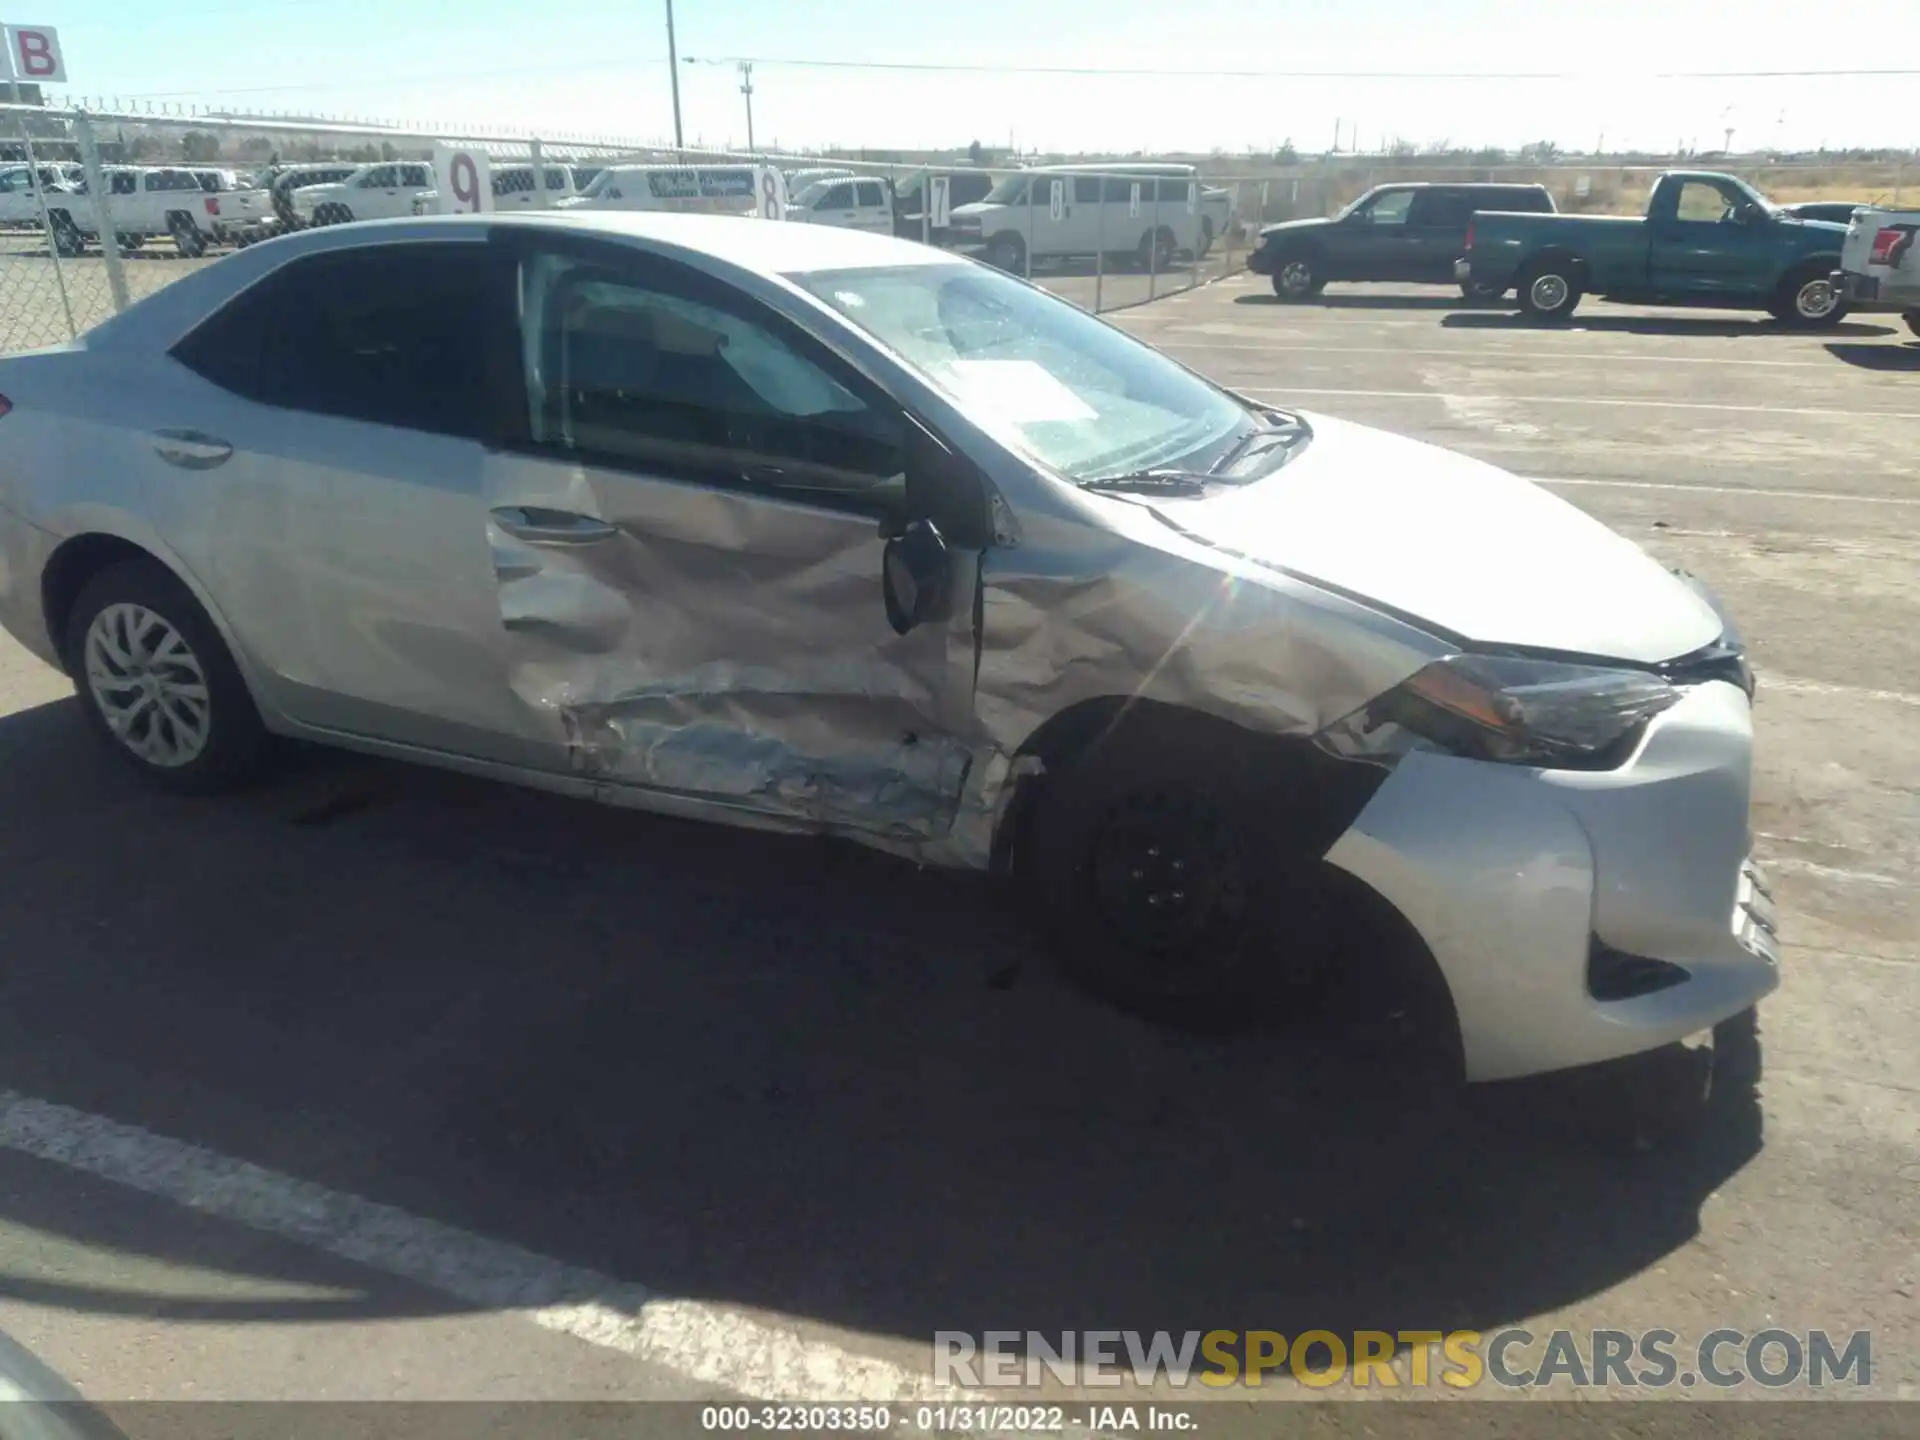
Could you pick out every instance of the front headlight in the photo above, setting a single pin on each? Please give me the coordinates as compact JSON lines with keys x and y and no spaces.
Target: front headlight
{"x":1510,"y":709}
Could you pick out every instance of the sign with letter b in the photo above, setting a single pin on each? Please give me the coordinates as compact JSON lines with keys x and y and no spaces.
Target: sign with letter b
{"x":33,"y":55}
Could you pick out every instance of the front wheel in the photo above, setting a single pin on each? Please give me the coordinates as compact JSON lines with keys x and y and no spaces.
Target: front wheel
{"x":1549,"y":290}
{"x":1007,"y":252}
{"x":1809,"y":298}
{"x":1297,"y":279}
{"x":157,"y":684}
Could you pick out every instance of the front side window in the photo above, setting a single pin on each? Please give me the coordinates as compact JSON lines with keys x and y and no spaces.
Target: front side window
{"x":392,"y":334}
{"x":871,"y":195}
{"x":651,"y":368}
{"x":417,"y":175}
{"x":1390,"y":208}
{"x":1078,"y":395}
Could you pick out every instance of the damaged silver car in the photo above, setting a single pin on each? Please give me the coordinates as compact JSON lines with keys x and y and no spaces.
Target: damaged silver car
{"x":808,"y":529}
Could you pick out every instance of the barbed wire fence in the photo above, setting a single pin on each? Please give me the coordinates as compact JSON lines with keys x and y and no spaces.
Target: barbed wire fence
{"x":84,"y":231}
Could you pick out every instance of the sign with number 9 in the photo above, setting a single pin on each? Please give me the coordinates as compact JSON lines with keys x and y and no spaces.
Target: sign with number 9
{"x":465,"y":180}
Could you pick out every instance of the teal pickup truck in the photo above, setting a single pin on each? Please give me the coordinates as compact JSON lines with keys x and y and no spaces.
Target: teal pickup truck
{"x":1706,"y":239}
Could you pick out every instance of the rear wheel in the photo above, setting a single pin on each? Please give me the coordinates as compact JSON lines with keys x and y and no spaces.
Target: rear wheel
{"x":1297,"y":279}
{"x":1912,"y":317}
{"x":157,"y":684}
{"x":1808,"y":297}
{"x":333,"y":214}
{"x":1155,"y":250}
{"x":1549,"y":290}
{"x":187,"y":238}
{"x":67,"y":239}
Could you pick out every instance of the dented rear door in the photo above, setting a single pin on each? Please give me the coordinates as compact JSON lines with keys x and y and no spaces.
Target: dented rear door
{"x":687,"y":544}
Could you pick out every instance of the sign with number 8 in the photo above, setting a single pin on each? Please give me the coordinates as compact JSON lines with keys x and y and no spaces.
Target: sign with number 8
{"x":465,"y":180}
{"x":772,"y":191}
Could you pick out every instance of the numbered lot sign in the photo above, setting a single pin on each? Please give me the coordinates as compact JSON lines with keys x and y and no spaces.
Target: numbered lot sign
{"x":464,"y":178}
{"x":941,"y":212}
{"x":1057,"y":200}
{"x":1133,"y":201}
{"x":33,"y":55}
{"x":770,"y":193}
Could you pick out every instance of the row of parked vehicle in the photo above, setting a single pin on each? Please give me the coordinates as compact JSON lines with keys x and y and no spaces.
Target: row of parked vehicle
{"x":1706,"y":239}
{"x":1146,"y":214}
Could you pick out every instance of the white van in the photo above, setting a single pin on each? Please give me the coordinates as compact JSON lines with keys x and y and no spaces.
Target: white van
{"x":851,"y":204}
{"x":710,"y":189}
{"x":1144,"y":213}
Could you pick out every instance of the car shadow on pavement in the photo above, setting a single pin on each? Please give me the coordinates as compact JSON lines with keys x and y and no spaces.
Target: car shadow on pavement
{"x":1879,"y":357}
{"x":1373,"y":302}
{"x":1659,"y":325}
{"x":777,"y":1073}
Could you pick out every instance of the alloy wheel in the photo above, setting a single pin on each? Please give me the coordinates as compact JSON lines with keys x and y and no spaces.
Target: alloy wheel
{"x":148,"y":685}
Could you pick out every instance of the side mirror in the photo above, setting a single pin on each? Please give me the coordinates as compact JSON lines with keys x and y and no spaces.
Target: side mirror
{"x":916,"y":578}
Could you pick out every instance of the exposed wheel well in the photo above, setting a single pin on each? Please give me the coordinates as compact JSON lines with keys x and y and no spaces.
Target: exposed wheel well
{"x":70,"y":568}
{"x":1575,"y":265}
{"x":1318,"y":795}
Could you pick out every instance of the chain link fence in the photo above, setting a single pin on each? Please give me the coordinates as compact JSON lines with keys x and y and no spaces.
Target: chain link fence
{"x":98,"y":210}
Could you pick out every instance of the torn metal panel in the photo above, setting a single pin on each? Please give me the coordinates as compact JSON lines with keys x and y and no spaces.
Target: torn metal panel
{"x":1138,"y":610}
{"x":732,"y":648}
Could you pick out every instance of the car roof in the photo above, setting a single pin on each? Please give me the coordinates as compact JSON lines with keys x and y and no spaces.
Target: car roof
{"x":762,"y":250}
{"x":761,"y":247}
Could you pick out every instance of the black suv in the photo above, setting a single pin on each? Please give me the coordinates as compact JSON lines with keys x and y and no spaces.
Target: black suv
{"x":1393,"y":232}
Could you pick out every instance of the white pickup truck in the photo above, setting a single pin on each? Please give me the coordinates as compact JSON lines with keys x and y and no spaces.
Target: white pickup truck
{"x":164,"y":200}
{"x":384,"y":191}
{"x":1880,"y":262}
{"x":242,"y":211}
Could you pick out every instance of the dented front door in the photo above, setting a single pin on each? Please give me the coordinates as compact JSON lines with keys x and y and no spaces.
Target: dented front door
{"x":688,"y":548}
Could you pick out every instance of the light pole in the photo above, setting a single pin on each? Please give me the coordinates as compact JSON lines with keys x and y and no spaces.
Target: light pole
{"x":746,"y":89}
{"x":673,"y":74}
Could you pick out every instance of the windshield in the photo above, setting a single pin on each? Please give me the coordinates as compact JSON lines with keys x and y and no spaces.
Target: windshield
{"x":1354,"y":204}
{"x":1007,"y":190}
{"x":1077,"y":394}
{"x":600,"y":184}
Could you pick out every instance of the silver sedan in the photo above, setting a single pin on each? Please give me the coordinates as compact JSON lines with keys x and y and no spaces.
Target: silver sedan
{"x":801,"y":528}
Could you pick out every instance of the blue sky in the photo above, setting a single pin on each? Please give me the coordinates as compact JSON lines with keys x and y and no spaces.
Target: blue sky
{"x":600,"y":66}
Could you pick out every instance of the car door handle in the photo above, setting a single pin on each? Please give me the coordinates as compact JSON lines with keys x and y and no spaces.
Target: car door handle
{"x":551,"y":527}
{"x":191,"y":449}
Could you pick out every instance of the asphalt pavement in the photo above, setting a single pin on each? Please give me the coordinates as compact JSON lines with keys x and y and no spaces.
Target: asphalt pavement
{"x":377,"y":1083}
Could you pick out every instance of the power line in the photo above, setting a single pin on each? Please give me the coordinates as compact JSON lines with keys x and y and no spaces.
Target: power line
{"x":1157,"y":73}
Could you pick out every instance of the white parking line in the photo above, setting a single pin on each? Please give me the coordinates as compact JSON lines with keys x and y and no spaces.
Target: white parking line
{"x":696,"y":1340}
{"x":1754,"y":491}
{"x":1585,"y":400}
{"x":1464,"y":352}
{"x":1787,"y":685}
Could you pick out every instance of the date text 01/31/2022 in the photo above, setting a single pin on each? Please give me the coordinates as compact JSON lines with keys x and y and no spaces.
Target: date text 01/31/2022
{"x":944,"y":1419}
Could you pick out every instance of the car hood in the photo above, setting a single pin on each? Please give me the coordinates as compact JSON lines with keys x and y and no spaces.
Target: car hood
{"x":1454,"y":543}
{"x":1296,"y":227}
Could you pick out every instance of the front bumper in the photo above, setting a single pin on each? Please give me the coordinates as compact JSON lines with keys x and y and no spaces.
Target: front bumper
{"x":1515,"y":877}
{"x":1260,"y":262}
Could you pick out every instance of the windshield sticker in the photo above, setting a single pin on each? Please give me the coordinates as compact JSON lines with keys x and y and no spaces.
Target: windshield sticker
{"x":1022,"y":391}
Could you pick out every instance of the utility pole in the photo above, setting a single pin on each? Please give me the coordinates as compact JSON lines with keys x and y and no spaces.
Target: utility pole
{"x":673,"y":75}
{"x":746,"y":89}
{"x":1336,"y":138}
